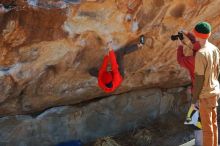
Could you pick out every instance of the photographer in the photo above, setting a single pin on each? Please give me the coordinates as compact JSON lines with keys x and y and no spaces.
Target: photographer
{"x":188,"y":62}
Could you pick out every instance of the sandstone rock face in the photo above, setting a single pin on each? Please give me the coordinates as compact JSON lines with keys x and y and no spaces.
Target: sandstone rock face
{"x":47,"y":47}
{"x":105,"y":117}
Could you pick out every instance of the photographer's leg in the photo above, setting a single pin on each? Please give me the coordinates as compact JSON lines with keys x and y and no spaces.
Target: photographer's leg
{"x":198,"y":137}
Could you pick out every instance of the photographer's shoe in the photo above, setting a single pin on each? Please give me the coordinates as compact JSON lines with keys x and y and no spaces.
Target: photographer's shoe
{"x":142,"y":39}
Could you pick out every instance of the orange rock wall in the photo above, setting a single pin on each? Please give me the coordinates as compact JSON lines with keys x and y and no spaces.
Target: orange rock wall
{"x":47,"y":49}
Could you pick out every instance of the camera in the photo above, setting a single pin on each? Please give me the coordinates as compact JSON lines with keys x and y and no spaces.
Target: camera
{"x":178,"y":36}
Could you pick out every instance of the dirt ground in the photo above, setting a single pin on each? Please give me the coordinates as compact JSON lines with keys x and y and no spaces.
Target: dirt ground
{"x":168,"y":130}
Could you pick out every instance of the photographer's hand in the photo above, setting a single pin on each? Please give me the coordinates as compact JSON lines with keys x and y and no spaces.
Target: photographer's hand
{"x":191,"y":37}
{"x":179,"y":43}
{"x":184,"y":32}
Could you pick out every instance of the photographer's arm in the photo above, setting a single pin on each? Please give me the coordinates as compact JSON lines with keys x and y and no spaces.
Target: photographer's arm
{"x":180,"y":55}
{"x":191,"y":37}
{"x":184,"y":61}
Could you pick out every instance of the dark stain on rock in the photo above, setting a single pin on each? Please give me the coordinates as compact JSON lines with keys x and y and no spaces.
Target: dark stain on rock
{"x":178,"y":10}
{"x":39,"y":24}
{"x":92,"y":15}
{"x":158,"y":3}
{"x":73,"y":1}
{"x":28,"y":55}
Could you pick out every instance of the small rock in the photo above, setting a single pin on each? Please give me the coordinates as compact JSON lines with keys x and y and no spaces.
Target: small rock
{"x":107,"y":141}
{"x":143,"y":137}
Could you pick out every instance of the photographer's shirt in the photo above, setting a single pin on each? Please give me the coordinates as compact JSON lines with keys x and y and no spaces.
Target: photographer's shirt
{"x":187,"y":62}
{"x":207,"y":64}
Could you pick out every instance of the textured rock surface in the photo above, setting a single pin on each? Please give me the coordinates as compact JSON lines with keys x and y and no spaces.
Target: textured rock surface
{"x":108,"y":116}
{"x":107,"y":141}
{"x":47,"y":47}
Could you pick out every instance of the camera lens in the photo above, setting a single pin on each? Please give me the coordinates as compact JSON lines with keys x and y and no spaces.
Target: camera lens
{"x":174,"y":37}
